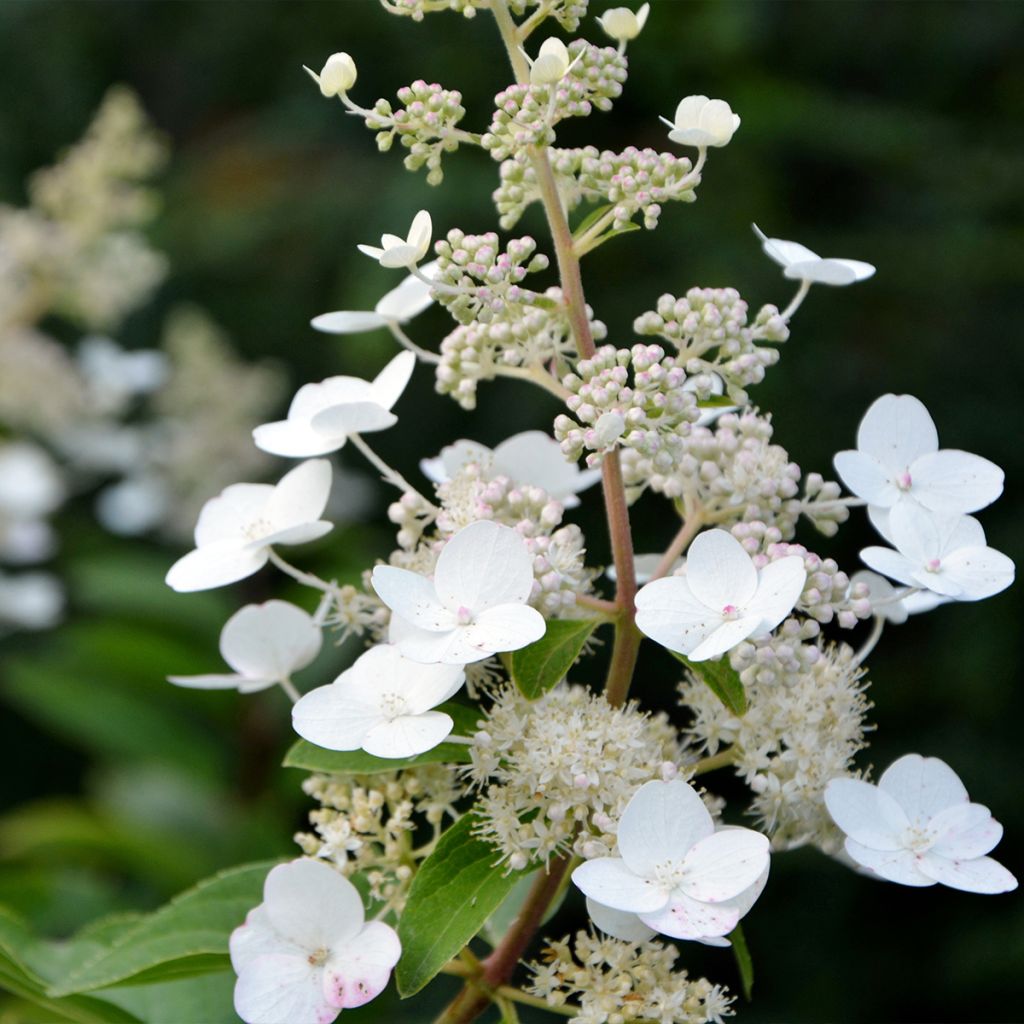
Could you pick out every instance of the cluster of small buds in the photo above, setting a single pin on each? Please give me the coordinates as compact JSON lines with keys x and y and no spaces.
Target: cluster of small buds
{"x":479,"y":282}
{"x":821,"y":504}
{"x":568,"y":13}
{"x":425,"y":125}
{"x":804,"y":723}
{"x":412,"y":514}
{"x":635,"y":181}
{"x":528,"y":337}
{"x":709,"y":328}
{"x":557,"y":772}
{"x":416,"y":9}
{"x":652,"y":415}
{"x":365,"y":822}
{"x":525,"y":114}
{"x":614,"y":982}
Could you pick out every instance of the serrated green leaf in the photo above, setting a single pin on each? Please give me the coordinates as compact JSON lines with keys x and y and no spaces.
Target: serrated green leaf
{"x":721,"y":679}
{"x":312,"y":758}
{"x":591,"y":219}
{"x":455,"y":891}
{"x":741,"y":952}
{"x":539,"y":666}
{"x":188,"y":936}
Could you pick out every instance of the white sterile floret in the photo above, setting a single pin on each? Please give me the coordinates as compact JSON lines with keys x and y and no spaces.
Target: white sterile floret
{"x":702,"y":122}
{"x":801,"y":264}
{"x":897,"y":459}
{"x":30,"y":600}
{"x":337,"y":76}
{"x":474,"y":607}
{"x":622,"y":25}
{"x":397,"y":307}
{"x":236,"y":530}
{"x":397,"y":252}
{"x":264,"y":644}
{"x":944,"y":554}
{"x":675,"y":872}
{"x":720,"y":599}
{"x":307,"y":952}
{"x":323,"y":416}
{"x":552,"y":63}
{"x":30,"y":489}
{"x":382,"y":704}
{"x":887,"y":603}
{"x":532,"y":458}
{"x":918,"y":827}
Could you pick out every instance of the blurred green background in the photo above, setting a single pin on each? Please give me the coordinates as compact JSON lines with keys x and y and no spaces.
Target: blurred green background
{"x":881,"y":131}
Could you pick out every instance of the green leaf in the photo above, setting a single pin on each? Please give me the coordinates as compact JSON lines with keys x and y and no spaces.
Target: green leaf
{"x":721,"y":679}
{"x":207,"y":998}
{"x":455,"y":891}
{"x":539,"y":666}
{"x":743,"y":961}
{"x":188,"y":936}
{"x":312,"y":758}
{"x":590,"y":220}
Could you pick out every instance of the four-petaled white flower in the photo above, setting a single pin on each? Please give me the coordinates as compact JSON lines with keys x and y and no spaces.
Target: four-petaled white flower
{"x":622,"y":25}
{"x":337,"y":76}
{"x":918,"y":827}
{"x":474,"y":607}
{"x":675,"y":872}
{"x":720,"y":599}
{"x":944,"y":554}
{"x":382,"y":704}
{"x":403,"y":252}
{"x":801,"y":264}
{"x":397,"y":307}
{"x":552,"y":63}
{"x":236,"y":530}
{"x":702,"y":122}
{"x":532,"y":458}
{"x":887,"y":603}
{"x":322,"y":416}
{"x":264,"y":644}
{"x":307,"y":952}
{"x":897,"y":459}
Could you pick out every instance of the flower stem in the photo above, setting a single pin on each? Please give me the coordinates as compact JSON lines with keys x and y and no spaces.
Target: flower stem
{"x":722,"y":759}
{"x":388,"y":474}
{"x":681,"y":541}
{"x":794,"y":305}
{"x":307,"y":579}
{"x":289,"y":687}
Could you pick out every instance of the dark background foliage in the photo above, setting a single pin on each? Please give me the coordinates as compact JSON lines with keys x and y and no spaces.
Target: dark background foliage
{"x":883,"y":131}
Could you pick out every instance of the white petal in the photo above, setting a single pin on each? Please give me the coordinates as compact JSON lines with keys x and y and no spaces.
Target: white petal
{"x":389,"y":384}
{"x":619,"y":924}
{"x":879,"y":519}
{"x":212,"y":681}
{"x":534,"y":458}
{"x":866,"y":477}
{"x":257,"y":938}
{"x":922,"y":786}
{"x":338,"y":421}
{"x":900,"y":866}
{"x":301,"y":494}
{"x":822,"y":271}
{"x":965,"y":831}
{"x":270,"y":640}
{"x":225,"y":517}
{"x":783,"y":252}
{"x":720,"y":866}
{"x":214,"y":565}
{"x":301,"y":533}
{"x":981,"y":874}
{"x":890,"y":563}
{"x":978,"y":572}
{"x":669,"y":614}
{"x":295,"y":439}
{"x":867,"y":814}
{"x":279,"y":988}
{"x":359,"y":971}
{"x":687,"y":113}
{"x":399,"y":256}
{"x":686,"y":918}
{"x":412,"y":597}
{"x":335,"y":720}
{"x":345,"y":321}
{"x":507,"y":627}
{"x":778,"y":588}
{"x":860,"y":270}
{"x":725,"y":637}
{"x":408,"y":735}
{"x":410,"y":298}
{"x":310,"y":903}
{"x":661,"y":822}
{"x":953,"y":482}
{"x":609,"y":881}
{"x":483,"y":565}
{"x":719,"y":571}
{"x":692,"y":137}
{"x":896,"y":430}
{"x":420,"y":232}
{"x":430,"y":647}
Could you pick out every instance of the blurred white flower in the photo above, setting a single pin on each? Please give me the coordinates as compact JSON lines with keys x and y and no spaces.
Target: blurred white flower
{"x":397,"y":252}
{"x":702,"y":122}
{"x":337,"y":76}
{"x":31,"y":487}
{"x":551,"y":64}
{"x":532,"y":458}
{"x":382,"y":704}
{"x":674,"y":872}
{"x":398,"y":306}
{"x":800,"y":264}
{"x":474,"y":607}
{"x":721,"y":599}
{"x":307,"y":952}
{"x":918,"y":827}
{"x":237,"y":529}
{"x":264,"y":644}
{"x":622,"y":25}
{"x":30,"y":600}
{"x":114,"y":376}
{"x":322,"y":416}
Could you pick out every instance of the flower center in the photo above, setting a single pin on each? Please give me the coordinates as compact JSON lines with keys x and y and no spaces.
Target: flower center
{"x":904,"y":481}
{"x":257,"y":529}
{"x":918,"y":839}
{"x":464,"y":616}
{"x":730,"y":612}
{"x":393,"y":705}
{"x":318,"y":957}
{"x":933,"y":565}
{"x":669,"y":873}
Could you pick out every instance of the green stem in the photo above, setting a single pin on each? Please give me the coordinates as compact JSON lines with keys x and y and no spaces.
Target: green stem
{"x":722,"y":759}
